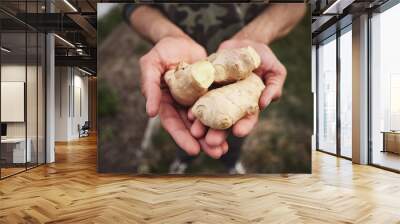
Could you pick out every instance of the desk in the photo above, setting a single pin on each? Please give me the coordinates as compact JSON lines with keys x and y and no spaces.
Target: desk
{"x":391,"y":141}
{"x":17,"y":152}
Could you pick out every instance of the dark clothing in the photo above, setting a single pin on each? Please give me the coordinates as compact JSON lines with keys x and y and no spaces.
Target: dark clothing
{"x":209,"y":25}
{"x":229,"y":159}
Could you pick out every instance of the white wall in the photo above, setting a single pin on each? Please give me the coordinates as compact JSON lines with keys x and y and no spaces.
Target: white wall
{"x":71,"y":87}
{"x":16,"y":73}
{"x":62,"y":81}
{"x":33,"y":126}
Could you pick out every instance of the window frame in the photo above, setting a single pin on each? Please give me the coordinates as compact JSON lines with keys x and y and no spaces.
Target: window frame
{"x":333,"y":37}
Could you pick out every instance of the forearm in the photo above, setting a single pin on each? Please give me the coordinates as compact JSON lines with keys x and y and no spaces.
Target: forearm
{"x":276,"y":21}
{"x":151,"y":24}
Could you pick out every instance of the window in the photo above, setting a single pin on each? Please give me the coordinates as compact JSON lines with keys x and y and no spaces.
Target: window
{"x":346,"y":93}
{"x":385,"y":88}
{"x":327,"y":96}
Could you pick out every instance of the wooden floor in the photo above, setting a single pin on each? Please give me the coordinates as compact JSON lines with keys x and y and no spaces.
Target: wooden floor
{"x":70,"y":191}
{"x":5,"y":172}
{"x":387,"y":159}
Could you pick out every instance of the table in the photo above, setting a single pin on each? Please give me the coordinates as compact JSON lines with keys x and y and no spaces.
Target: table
{"x":391,"y":141}
{"x":18,"y":150}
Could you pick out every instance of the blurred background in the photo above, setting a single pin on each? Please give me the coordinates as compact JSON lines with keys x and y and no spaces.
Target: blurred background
{"x":129,"y":142}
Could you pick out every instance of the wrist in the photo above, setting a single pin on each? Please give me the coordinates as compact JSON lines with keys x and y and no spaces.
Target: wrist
{"x":151,"y":24}
{"x":159,"y":34}
{"x":172,"y":35}
{"x":264,"y":37}
{"x":254,"y":32}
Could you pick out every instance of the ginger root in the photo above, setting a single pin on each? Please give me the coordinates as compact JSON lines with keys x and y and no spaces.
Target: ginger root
{"x":234,"y":64}
{"x":188,"y":82}
{"x":222,"y":107}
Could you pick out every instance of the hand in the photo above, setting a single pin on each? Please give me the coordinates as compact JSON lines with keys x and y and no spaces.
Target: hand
{"x":165,"y":55}
{"x":271,"y":71}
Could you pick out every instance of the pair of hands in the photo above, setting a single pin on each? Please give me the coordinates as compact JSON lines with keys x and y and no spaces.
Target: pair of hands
{"x":189,"y":133}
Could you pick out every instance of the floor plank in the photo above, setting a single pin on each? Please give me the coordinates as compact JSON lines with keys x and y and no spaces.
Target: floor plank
{"x":71,"y":191}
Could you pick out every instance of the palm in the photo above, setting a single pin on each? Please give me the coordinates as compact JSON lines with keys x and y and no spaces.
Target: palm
{"x":170,"y":51}
{"x":166,"y":54}
{"x":273,"y":74}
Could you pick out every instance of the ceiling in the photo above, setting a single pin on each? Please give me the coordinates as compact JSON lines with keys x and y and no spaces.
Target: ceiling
{"x":74,"y":21}
{"x":328,"y":16}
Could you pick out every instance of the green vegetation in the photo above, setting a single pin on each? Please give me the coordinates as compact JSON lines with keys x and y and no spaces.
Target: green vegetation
{"x":108,"y":23}
{"x":295,"y":53}
{"x":108,"y":100}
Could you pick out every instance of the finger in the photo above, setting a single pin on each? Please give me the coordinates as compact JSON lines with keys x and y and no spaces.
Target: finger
{"x":174,"y":125}
{"x":185,"y":119}
{"x":244,"y":126}
{"x":224,"y":45}
{"x":274,"y":80}
{"x":225,"y":147}
{"x":271,"y":92}
{"x":150,"y":77}
{"x":213,"y":152}
{"x":190,"y":115}
{"x":215,"y":137}
{"x":198,"y":130}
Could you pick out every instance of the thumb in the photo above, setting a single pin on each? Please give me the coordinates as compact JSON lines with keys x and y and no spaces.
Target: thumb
{"x":150,"y":83}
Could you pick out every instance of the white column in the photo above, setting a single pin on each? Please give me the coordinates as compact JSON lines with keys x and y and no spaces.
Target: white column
{"x":360,"y":90}
{"x":50,"y":99}
{"x":314,"y":92}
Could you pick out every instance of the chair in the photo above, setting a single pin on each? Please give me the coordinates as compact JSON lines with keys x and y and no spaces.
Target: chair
{"x":84,"y":130}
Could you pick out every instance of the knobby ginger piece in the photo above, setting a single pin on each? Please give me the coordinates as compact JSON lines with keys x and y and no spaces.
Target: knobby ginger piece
{"x":187,"y":82}
{"x":234,"y":64}
{"x":222,"y":107}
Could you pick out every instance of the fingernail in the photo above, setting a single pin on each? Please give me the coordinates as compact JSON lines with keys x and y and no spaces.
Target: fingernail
{"x":150,"y":111}
{"x":266,"y":103}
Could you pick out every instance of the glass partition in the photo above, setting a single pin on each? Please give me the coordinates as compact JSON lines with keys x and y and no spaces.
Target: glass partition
{"x":385,"y":89}
{"x":14,"y":153}
{"x":31,"y":100}
{"x":22,"y":90}
{"x":327,"y":96}
{"x":346,"y":93}
{"x":41,"y":87}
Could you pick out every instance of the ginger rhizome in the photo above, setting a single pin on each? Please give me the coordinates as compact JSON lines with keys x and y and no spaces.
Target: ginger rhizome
{"x":188,"y":82}
{"x":222,"y":107}
{"x":238,"y":96}
{"x":232,"y":65}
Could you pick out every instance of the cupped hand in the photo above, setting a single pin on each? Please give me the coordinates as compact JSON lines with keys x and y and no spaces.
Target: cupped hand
{"x":165,"y":55}
{"x":273,"y":74}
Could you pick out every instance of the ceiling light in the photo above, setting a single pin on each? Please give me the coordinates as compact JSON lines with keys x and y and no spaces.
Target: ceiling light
{"x":84,"y":71}
{"x":5,"y":50}
{"x":70,"y":5}
{"x":337,"y":7}
{"x":65,"y":41}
